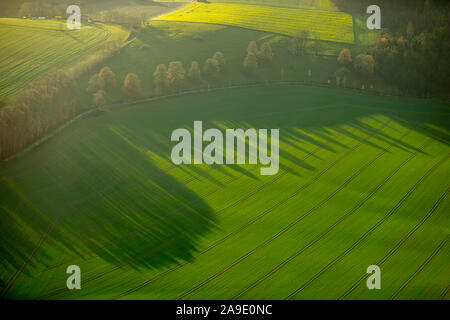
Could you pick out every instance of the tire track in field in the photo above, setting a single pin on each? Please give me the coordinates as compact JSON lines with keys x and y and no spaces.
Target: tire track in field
{"x":75,"y":178}
{"x":399,"y":243}
{"x":77,"y":201}
{"x":444,"y":293}
{"x":61,"y":61}
{"x":41,"y":241}
{"x":155,"y":197}
{"x":50,"y":160}
{"x":150,"y":225}
{"x":251,"y":222}
{"x":246,"y":197}
{"x":322,"y":235}
{"x":211,"y":192}
{"x":25,"y":199}
{"x":198,"y":176}
{"x":292,"y":224}
{"x":373,"y":228}
{"x":162,"y":246}
{"x":218,"y":213}
{"x":423,"y":266}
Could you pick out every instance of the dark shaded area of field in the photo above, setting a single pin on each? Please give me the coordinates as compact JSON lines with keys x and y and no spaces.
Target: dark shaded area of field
{"x":114,"y":202}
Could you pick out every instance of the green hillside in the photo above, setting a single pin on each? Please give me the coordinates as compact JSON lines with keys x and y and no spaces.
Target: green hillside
{"x":29,"y":48}
{"x":363,"y":180}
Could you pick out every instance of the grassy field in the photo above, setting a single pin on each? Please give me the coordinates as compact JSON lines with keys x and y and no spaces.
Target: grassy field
{"x":30,"y":48}
{"x":363,"y":180}
{"x":329,"y":26}
{"x":167,"y":41}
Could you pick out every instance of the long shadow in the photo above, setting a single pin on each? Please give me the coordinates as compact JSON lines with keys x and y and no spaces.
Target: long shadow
{"x":133,"y":211}
{"x":153,"y":226}
{"x":69,"y":34}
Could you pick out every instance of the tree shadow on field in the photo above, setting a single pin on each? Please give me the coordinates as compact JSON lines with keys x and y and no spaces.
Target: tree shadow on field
{"x":117,"y":196}
{"x":127,"y":212}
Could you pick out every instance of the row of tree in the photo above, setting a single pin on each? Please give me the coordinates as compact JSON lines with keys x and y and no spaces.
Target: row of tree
{"x":297,"y":44}
{"x":172,"y":78}
{"x":36,"y":110}
{"x":363,"y":64}
{"x":418,"y":62}
{"x":46,"y":103}
{"x":165,"y":79}
{"x":257,"y":57}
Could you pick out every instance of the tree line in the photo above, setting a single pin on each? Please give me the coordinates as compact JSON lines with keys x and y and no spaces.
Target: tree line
{"x":171,"y":78}
{"x":50,"y":101}
{"x":45,"y":103}
{"x":411,"y":53}
{"x":362,"y":64}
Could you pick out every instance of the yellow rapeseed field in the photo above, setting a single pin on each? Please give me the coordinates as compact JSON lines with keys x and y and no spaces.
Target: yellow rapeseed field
{"x":330,"y":26}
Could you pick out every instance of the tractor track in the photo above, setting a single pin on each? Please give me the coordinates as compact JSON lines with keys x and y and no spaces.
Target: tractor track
{"x":218,"y":213}
{"x":423,"y":266}
{"x":371,"y":230}
{"x":399,"y":243}
{"x":292,"y":224}
{"x":323,"y":234}
{"x":252,"y":221}
{"x":193,"y":202}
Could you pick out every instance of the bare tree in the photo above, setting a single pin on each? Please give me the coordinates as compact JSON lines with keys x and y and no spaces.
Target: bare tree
{"x":194,"y":73}
{"x":250,"y":63}
{"x":175,"y":75}
{"x":252,"y":48}
{"x":99,"y":98}
{"x":108,"y":77}
{"x":220,"y":57}
{"x":297,"y":44}
{"x":211,"y":68}
{"x":345,"y":57}
{"x":132,"y":86}
{"x":266,"y":53}
{"x":160,"y":79}
{"x":364,"y":63}
{"x":95,"y":84}
{"x":317,"y":44}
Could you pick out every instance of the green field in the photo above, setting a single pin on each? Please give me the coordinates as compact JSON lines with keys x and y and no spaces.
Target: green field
{"x":329,"y":26}
{"x":363,"y":180}
{"x":169,"y":41}
{"x":29,"y":48}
